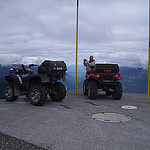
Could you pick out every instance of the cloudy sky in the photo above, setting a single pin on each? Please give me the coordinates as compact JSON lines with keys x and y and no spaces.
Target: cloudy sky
{"x":114,"y":31}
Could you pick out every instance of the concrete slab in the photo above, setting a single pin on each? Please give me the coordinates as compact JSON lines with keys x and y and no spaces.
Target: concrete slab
{"x":68,"y":125}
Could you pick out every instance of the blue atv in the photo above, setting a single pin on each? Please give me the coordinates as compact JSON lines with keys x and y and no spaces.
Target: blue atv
{"x":37,"y":86}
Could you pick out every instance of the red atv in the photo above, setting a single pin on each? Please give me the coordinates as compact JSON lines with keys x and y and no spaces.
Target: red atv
{"x":105,"y":77}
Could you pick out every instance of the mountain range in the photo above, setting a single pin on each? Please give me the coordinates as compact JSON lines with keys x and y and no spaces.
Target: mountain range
{"x":134,"y":79}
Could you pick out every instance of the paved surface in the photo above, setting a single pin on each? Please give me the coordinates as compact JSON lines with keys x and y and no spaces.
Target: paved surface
{"x":68,"y":125}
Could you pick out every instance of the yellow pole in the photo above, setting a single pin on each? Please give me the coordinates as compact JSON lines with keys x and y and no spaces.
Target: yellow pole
{"x":148,"y":59}
{"x":76,"y":49}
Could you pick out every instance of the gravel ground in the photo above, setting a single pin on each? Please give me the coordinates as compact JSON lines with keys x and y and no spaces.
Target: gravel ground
{"x":12,"y":143}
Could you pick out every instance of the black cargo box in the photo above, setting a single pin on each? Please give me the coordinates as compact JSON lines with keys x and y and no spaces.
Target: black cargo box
{"x":49,"y":66}
{"x":106,"y":68}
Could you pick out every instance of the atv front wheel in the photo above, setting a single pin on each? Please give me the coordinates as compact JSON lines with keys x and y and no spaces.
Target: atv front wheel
{"x":92,"y":89}
{"x":9,"y":92}
{"x":117,"y":93}
{"x":85,"y":89}
{"x":58,"y":92}
{"x":37,"y":95}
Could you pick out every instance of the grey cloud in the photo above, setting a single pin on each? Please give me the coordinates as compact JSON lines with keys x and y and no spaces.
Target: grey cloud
{"x":113,"y":31}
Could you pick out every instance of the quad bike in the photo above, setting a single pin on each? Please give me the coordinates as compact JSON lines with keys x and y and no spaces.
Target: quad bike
{"x":36,"y":86}
{"x":105,"y":77}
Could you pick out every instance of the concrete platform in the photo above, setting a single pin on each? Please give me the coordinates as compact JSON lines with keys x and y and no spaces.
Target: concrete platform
{"x":68,"y":125}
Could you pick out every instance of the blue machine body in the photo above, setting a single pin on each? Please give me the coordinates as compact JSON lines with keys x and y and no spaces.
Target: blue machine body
{"x":21,"y":75}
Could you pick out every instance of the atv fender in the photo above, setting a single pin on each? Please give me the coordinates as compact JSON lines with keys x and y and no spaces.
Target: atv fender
{"x":15,"y":82}
{"x":37,"y":79}
{"x":44,"y":79}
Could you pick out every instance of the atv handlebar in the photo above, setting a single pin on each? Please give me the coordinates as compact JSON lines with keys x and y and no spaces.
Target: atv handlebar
{"x":31,"y":65}
{"x":23,"y":67}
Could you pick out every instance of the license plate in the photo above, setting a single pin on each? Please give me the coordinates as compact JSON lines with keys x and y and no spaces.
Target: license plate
{"x":58,"y":68}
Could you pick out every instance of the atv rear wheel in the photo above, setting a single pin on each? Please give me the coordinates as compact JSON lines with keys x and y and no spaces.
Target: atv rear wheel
{"x":92,"y":89}
{"x":37,"y":95}
{"x":85,"y":89}
{"x":9,"y":92}
{"x":58,"y":92}
{"x":117,"y":94}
